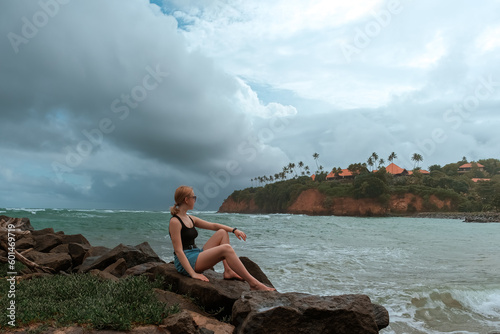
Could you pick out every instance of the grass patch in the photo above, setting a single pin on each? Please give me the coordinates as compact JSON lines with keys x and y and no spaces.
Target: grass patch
{"x":85,"y":300}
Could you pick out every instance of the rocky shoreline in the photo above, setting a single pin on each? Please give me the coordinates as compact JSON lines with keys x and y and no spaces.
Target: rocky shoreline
{"x":45,"y":252}
{"x":468,"y":217}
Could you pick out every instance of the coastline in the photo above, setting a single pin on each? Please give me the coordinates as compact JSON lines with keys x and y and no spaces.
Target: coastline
{"x":468,"y":217}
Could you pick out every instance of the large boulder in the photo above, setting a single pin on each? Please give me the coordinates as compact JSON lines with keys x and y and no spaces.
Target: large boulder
{"x":45,"y":242}
{"x":77,"y":252}
{"x":24,"y":242}
{"x":216,"y":295}
{"x":75,"y":238}
{"x":57,"y":261}
{"x":133,"y":256}
{"x":271,"y":312}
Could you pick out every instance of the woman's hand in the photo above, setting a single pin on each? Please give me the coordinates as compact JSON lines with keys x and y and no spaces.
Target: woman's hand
{"x":240,"y":235}
{"x":201,"y":277}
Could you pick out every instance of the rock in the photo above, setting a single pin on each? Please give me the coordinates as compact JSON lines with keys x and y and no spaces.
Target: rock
{"x":216,"y":295}
{"x":56,"y":261}
{"x":77,"y":252}
{"x":211,"y":325}
{"x":141,"y":268}
{"x":180,"y":323}
{"x":75,"y":238}
{"x":26,"y":242}
{"x":45,"y":242}
{"x":271,"y":312}
{"x":381,"y":316}
{"x":132,"y":256}
{"x":172,"y":299}
{"x":90,"y":257}
{"x":62,"y":248}
{"x":104,"y":275}
{"x":255,"y":271}
{"x":44,"y":231}
{"x":117,"y":269}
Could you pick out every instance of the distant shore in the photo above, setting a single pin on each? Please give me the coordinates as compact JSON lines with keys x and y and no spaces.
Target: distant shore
{"x":469,"y":217}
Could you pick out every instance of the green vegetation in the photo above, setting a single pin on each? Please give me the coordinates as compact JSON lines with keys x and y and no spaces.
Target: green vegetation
{"x":85,"y":300}
{"x":444,"y":182}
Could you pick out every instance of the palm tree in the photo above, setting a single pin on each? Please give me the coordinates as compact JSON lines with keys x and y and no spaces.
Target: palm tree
{"x":375,"y":158}
{"x":316,"y":156}
{"x":291,"y":167}
{"x":416,"y":158}
{"x":392,"y":157}
{"x":285,"y":171}
{"x":301,"y":165}
{"x":381,"y":163}
{"x":306,"y":169}
{"x":370,"y":162}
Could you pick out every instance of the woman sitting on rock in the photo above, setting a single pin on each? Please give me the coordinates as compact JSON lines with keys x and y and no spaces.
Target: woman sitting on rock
{"x":192,"y":261}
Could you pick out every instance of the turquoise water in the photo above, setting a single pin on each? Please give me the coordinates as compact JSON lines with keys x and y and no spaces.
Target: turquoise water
{"x":432,"y":275}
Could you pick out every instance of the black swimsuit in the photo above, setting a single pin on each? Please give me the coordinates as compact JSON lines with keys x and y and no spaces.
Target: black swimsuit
{"x":188,"y":234}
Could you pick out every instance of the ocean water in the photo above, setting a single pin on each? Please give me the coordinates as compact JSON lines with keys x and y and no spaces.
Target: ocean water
{"x":432,"y":275}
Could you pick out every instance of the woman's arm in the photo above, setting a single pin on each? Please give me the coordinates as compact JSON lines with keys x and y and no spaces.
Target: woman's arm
{"x":198,"y":222}
{"x":175,"y":234}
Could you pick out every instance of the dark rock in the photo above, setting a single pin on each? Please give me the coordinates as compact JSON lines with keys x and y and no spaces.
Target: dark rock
{"x":56,"y":261}
{"x":142,"y":268}
{"x":271,"y":312}
{"x":91,"y":255}
{"x":255,"y":271}
{"x":62,"y":248}
{"x":25,"y":242}
{"x":216,"y":295}
{"x":117,"y":269}
{"x":180,"y":323}
{"x":172,"y":299}
{"x":209,"y":325}
{"x":44,"y":231}
{"x":75,"y":238}
{"x":45,"y":242}
{"x":96,"y":251}
{"x":104,"y":275}
{"x":132,"y":256}
{"x":77,"y":252}
{"x":381,"y":316}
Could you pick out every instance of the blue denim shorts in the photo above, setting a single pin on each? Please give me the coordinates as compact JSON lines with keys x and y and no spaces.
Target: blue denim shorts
{"x":192,"y":256}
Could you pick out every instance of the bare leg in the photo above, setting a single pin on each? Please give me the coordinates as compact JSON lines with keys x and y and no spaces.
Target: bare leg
{"x":208,"y":258}
{"x":221,"y":237}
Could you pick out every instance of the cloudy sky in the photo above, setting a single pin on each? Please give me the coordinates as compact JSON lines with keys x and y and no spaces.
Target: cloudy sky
{"x":113,"y":104}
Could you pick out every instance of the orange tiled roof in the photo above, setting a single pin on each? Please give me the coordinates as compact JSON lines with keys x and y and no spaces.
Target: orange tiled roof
{"x":469,"y":165}
{"x":394,"y":169}
{"x":343,"y":173}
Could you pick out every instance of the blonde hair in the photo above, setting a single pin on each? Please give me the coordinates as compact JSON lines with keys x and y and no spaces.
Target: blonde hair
{"x":180,"y":194}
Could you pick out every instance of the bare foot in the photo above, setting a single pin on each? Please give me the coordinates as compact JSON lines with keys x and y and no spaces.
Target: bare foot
{"x":231,"y":275}
{"x":261,"y":287}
